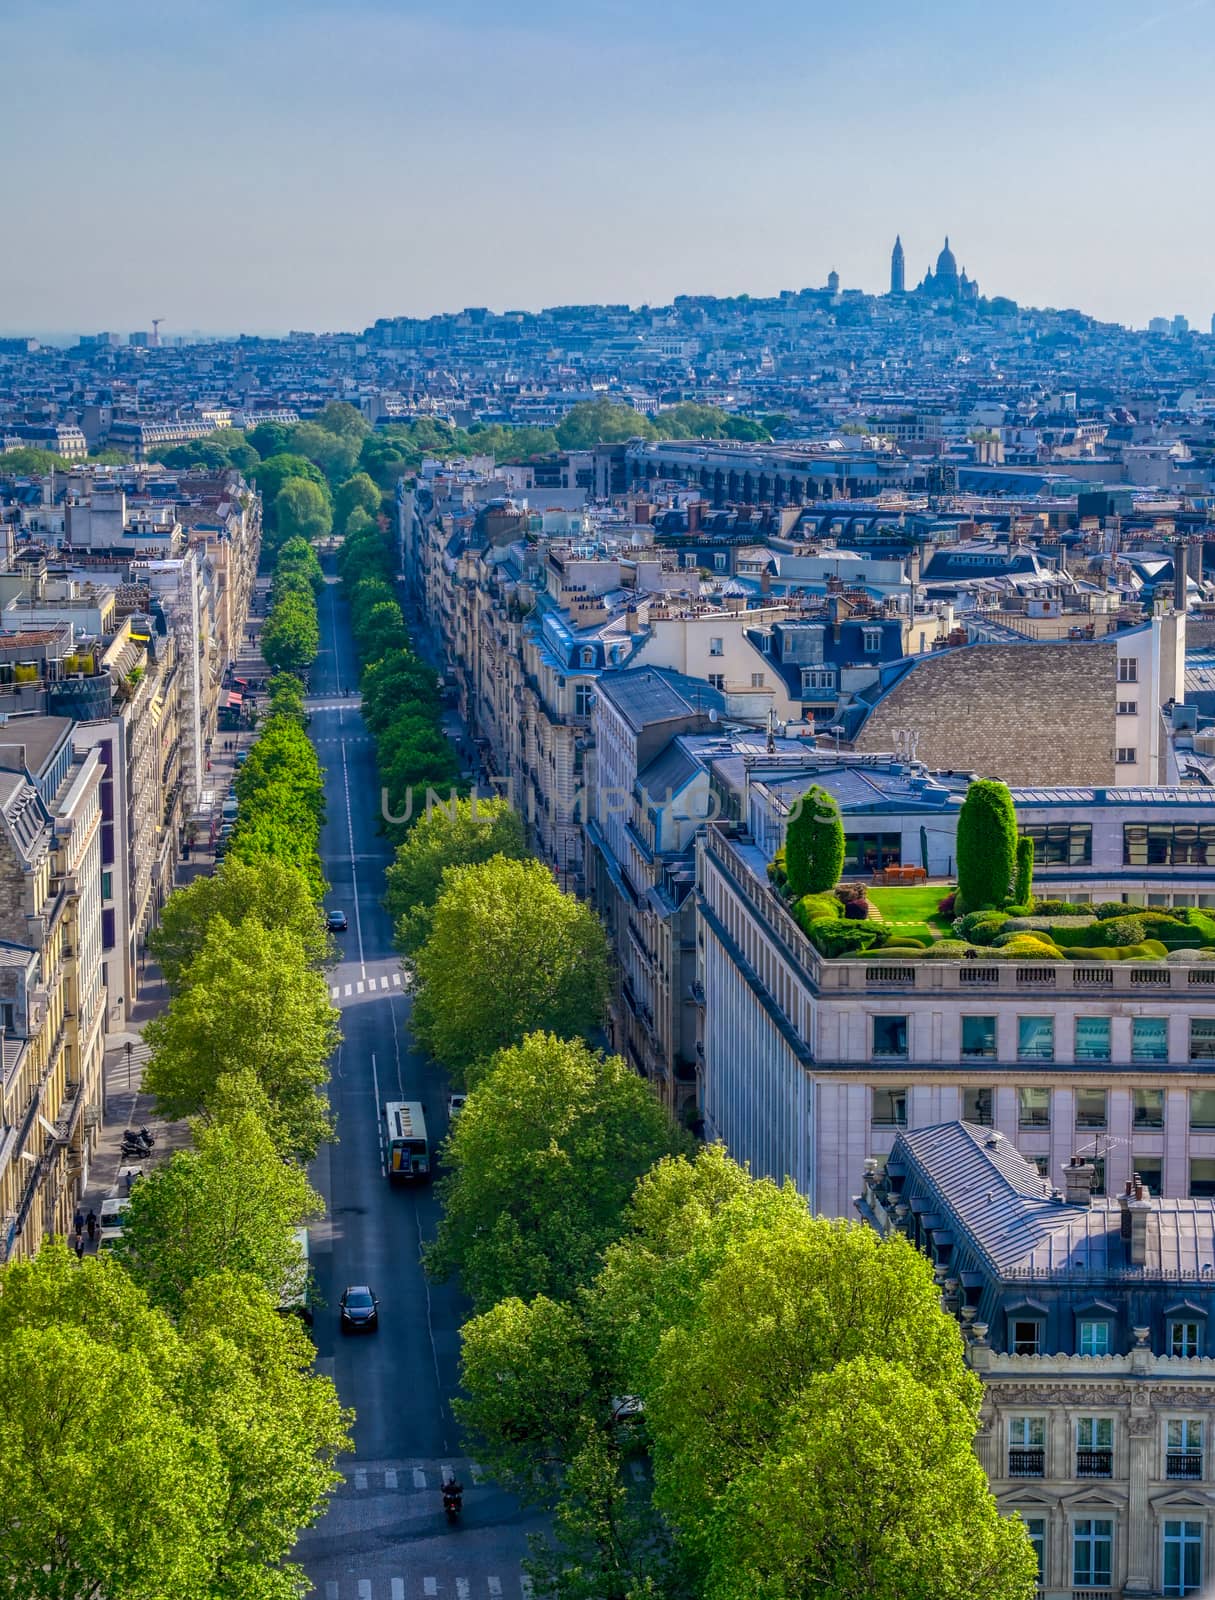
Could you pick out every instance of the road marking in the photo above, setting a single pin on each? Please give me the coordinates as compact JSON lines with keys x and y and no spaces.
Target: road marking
{"x":444,"y":1473}
{"x":375,"y":1089}
{"x":398,"y":1589}
{"x":384,"y":982}
{"x":495,"y":1585}
{"x":474,"y":1472}
{"x":348,"y":989}
{"x":335,"y":991}
{"x":354,"y":871}
{"x":364,"y":1589}
{"x":430,"y":1585}
{"x":419,"y":1478}
{"x":360,"y":1480}
{"x":462,"y":1589}
{"x":390,"y":1479}
{"x":396,"y":980}
{"x":358,"y":988}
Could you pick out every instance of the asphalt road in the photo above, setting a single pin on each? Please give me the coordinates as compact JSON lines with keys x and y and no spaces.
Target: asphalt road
{"x":384,"y":1536}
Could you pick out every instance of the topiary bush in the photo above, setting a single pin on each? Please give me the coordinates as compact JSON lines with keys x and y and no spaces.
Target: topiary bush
{"x":813,"y":908}
{"x":1061,"y":908}
{"x":1024,"y":946}
{"x":980,"y":927}
{"x":857,"y":908}
{"x":840,"y":938}
{"x":1023,"y":873}
{"x":814,"y":843}
{"x":776,"y":869}
{"x":948,"y":950}
{"x":986,"y":844}
{"x":1116,"y":908}
{"x":949,"y":907}
{"x":1123,"y":930}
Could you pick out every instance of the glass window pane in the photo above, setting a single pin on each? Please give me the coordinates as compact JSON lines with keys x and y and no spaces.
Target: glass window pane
{"x":1202,"y":1038}
{"x":1094,"y":1337}
{"x":977,"y":1106}
{"x":1150,"y":1170}
{"x":890,"y":1108}
{"x":1033,"y":1108}
{"x":979,"y":1037}
{"x":1148,"y":1108}
{"x":1092,"y":1038}
{"x":1036,"y":1038}
{"x":890,"y":1036}
{"x":1150,"y":1039}
{"x":1202,"y":1108}
{"x":1202,"y":1178}
{"x":1090,"y":1108}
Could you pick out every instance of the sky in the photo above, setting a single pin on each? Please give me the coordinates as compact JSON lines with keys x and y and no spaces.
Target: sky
{"x":254,"y":167}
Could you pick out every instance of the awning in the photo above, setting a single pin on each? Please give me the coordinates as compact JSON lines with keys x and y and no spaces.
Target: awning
{"x":234,"y":701}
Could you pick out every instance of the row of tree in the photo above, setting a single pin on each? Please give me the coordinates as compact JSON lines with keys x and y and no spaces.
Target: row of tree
{"x":291,"y":637}
{"x":792,"y":1387}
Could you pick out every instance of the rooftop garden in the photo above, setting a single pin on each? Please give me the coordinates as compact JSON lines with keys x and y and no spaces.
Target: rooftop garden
{"x":991,"y":913}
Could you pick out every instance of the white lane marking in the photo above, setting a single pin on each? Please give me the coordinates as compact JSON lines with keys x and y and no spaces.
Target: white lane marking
{"x":360,"y":1480}
{"x":495,"y":1585}
{"x":349,"y":988}
{"x":474,"y":1472}
{"x":358,"y":988}
{"x":444,"y":1473}
{"x":462,"y":1589}
{"x":430,"y":1585}
{"x":390,"y":1479}
{"x":419,"y":1478}
{"x":354,"y":870}
{"x":384,"y":983}
{"x":396,"y":980}
{"x":375,"y":1089}
{"x":364,"y":1589}
{"x":398,"y":1589}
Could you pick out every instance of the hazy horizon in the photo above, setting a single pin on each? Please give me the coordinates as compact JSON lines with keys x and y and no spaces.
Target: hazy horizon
{"x":310,"y":166}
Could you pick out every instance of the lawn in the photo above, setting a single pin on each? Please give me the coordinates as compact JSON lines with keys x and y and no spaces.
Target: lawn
{"x":912,"y":908}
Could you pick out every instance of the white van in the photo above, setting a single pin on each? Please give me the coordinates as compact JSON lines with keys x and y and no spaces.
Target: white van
{"x":112,"y":1219}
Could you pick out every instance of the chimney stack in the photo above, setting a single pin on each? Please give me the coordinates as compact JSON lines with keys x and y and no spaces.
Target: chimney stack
{"x":695,"y":512}
{"x":1078,"y":1177}
{"x":1140,"y":1209}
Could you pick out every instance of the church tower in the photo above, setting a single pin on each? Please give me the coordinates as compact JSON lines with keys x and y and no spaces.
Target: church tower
{"x":897,"y":267}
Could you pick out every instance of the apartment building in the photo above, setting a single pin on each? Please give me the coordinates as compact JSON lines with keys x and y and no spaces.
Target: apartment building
{"x":812,"y":1066}
{"x":1088,"y":1321}
{"x":52,"y":996}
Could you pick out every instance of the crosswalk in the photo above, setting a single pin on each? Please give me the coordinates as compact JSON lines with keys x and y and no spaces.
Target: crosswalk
{"x":430,"y":1586}
{"x":366,"y":986}
{"x":350,"y":702}
{"x":407,"y":1479}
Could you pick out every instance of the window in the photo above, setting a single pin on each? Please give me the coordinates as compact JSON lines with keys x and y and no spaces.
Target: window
{"x":719,"y":560}
{"x":107,"y":885}
{"x":1183,"y":1448}
{"x":1090,"y":1108}
{"x":1033,"y":1108}
{"x":757,"y":680}
{"x":1094,"y":1447}
{"x":872,"y":641}
{"x":1168,"y":844}
{"x":689,"y":559}
{"x":1026,"y":1447}
{"x":1092,"y":1038}
{"x":1202,"y":1110}
{"x":1150,"y":1170}
{"x":1094,"y":1336}
{"x":765,"y":643}
{"x":588,"y":658}
{"x":1128,"y":708}
{"x":869,"y":852}
{"x":890,"y":1108}
{"x":1128,"y":669}
{"x":1184,"y":1337}
{"x":1027,"y":1338}
{"x":890,"y":1036}
{"x":584,"y":699}
{"x":1150,"y":1039}
{"x":1182,"y":1557}
{"x":818,"y":678}
{"x":977,"y":1106}
{"x":1035,"y":1038}
{"x":1061,"y":844}
{"x":1147,"y":1108}
{"x":1092,"y":1552}
{"x":1098,"y":1165}
{"x":1127,"y":755}
{"x":979,"y":1038}
{"x":717,"y":680}
{"x":1202,"y":1038}
{"x":717,"y":647}
{"x":1035,"y":1527}
{"x":1202,"y":1178}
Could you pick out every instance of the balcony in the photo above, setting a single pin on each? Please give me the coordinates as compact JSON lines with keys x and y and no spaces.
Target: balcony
{"x":1092,"y":1594}
{"x":1094,"y":1463}
{"x":1027,"y":1463}
{"x":1185,"y":1464}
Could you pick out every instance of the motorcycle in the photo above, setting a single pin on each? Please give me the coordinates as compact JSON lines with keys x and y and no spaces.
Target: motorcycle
{"x":453,"y":1504}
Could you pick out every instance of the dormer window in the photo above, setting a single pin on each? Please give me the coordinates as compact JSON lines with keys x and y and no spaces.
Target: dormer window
{"x":872,"y":641}
{"x":1185,"y":1337}
{"x":588,"y":658}
{"x":1027,"y":1337}
{"x":1094,"y":1336}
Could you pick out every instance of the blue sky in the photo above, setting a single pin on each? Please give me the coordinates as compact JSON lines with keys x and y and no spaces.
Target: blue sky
{"x":255,"y":165}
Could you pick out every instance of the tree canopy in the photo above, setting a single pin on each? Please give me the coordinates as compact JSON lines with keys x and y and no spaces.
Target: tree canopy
{"x":542,"y":1162}
{"x":508,"y":954}
{"x":986,"y":845}
{"x":814,"y":844}
{"x":302,"y":510}
{"x":358,"y":491}
{"x":478,"y":830}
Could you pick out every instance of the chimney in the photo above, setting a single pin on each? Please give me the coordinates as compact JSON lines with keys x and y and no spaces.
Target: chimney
{"x":1078,"y":1178}
{"x":630,"y":619}
{"x":1140,"y":1208}
{"x":695,"y":512}
{"x":1124,"y":1214}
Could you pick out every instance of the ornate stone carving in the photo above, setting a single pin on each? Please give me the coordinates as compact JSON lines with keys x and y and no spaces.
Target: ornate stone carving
{"x":1139,"y":1426}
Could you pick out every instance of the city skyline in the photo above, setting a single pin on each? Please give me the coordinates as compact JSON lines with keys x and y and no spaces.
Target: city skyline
{"x":310,"y":168}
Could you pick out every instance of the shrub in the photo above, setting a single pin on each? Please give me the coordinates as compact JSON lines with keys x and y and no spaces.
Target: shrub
{"x":833,"y":938}
{"x":816,"y":908}
{"x":947,"y":949}
{"x":903,"y":941}
{"x":1024,"y":946}
{"x":814,"y":843}
{"x":1061,"y":908}
{"x":987,"y":844}
{"x":1115,"y":908}
{"x":1023,"y":875}
{"x":776,"y":869}
{"x":1124,"y":930}
{"x":949,"y":906}
{"x":980,"y":927}
{"x":857,"y":908}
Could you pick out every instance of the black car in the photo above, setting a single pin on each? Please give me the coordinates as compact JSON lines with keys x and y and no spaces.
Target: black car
{"x":359,"y":1310}
{"x":335,"y":921}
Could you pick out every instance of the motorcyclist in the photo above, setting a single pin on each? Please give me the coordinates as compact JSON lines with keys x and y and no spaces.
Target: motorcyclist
{"x":453,"y":1492}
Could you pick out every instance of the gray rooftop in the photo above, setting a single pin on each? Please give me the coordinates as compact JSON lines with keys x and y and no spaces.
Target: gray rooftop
{"x":646,"y":695}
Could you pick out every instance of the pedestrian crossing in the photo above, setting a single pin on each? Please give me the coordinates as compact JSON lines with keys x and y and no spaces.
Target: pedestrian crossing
{"x":407,"y":1480}
{"x":367,"y":986}
{"x":350,"y":702}
{"x":430,"y":1586}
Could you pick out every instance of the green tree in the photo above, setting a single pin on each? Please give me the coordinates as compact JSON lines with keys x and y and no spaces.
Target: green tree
{"x":814,"y":844}
{"x":274,"y":472}
{"x":28,"y":461}
{"x":228,"y":1205}
{"x":301,"y":510}
{"x":286,"y":697}
{"x":542,"y":1162}
{"x":359,"y":491}
{"x":249,"y":1000}
{"x":334,"y":453}
{"x":275,"y":895}
{"x":604,"y":421}
{"x":270,"y":438}
{"x":291,"y":638}
{"x":341,"y":418}
{"x":142,"y":1459}
{"x":479,"y":830}
{"x":1023,"y":877}
{"x":298,"y":558}
{"x":987,"y":845}
{"x":508,"y":954}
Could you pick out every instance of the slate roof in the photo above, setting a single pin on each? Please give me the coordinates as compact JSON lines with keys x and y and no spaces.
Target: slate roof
{"x":646,"y":695}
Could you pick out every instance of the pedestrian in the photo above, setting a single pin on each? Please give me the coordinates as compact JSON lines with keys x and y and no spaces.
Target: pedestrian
{"x":79,"y":1246}
{"x":91,"y":1225}
{"x":78,"y":1221}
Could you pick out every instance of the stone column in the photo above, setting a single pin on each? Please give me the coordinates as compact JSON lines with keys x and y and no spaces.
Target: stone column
{"x":1137,"y":1537}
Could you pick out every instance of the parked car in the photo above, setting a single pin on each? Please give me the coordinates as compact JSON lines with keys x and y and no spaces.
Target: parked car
{"x":359,"y":1310}
{"x":336,"y":922}
{"x":455,"y":1104}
